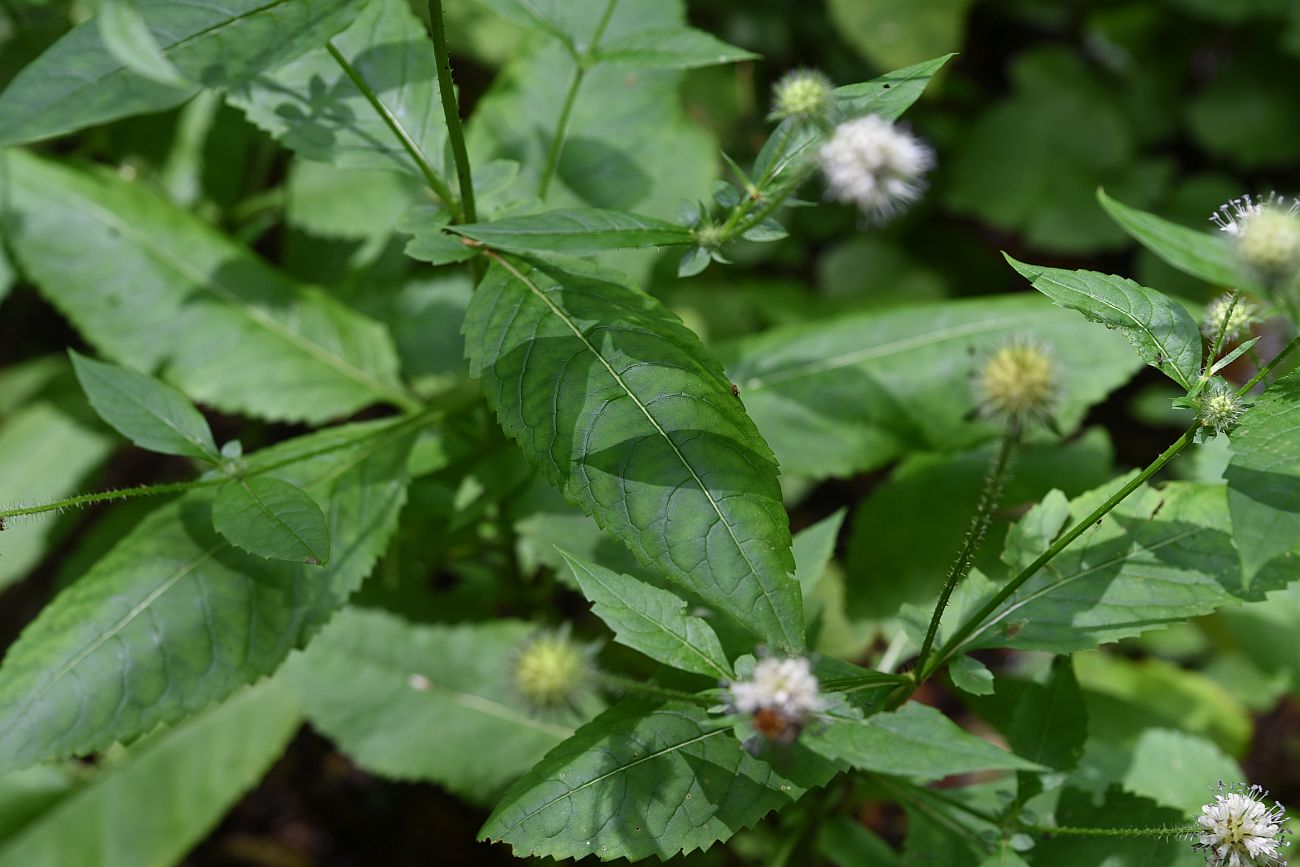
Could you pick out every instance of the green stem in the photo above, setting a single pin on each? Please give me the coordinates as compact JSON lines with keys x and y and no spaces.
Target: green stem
{"x":451,"y":111}
{"x":976,"y":622}
{"x":431,"y":177}
{"x":626,"y":684}
{"x":918,"y":793}
{"x":1268,"y":368}
{"x":1217,"y":345}
{"x":989,"y":496}
{"x":1066,"y":831}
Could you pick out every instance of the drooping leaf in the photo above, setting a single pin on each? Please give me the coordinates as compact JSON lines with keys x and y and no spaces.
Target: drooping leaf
{"x":150,"y":285}
{"x":149,"y":413}
{"x":913,"y":741}
{"x":1161,"y":330}
{"x":970,"y":675}
{"x":416,"y":702}
{"x":1264,"y":477}
{"x":79,"y":82}
{"x":1050,"y":723}
{"x":314,"y":106}
{"x":849,"y":394}
{"x":670,"y":48}
{"x":576,"y":231}
{"x":632,"y":419}
{"x":646,"y":778}
{"x":272,"y":518}
{"x":128,"y":38}
{"x":174,"y":618}
{"x":651,"y":620}
{"x":1207,"y":255}
{"x":169,"y":792}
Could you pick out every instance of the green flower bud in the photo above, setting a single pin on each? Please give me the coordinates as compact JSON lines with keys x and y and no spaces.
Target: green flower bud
{"x":552,"y":670}
{"x":1019,"y":380}
{"x":802,"y":93}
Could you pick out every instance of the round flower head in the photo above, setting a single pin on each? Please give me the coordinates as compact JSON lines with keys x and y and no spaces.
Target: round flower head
{"x":1240,"y":830}
{"x":876,"y":165}
{"x":1019,"y":380}
{"x":1234,"y":320}
{"x":1267,"y":231}
{"x":1219,"y":407}
{"x":551,"y":670}
{"x":781,"y":696}
{"x":801,"y":93}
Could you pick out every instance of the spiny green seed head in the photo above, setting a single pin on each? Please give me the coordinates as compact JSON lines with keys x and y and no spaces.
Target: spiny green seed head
{"x":1234,"y":320}
{"x":1018,"y":380}
{"x":801,"y":93}
{"x":1220,"y":407}
{"x":1270,"y":241}
{"x":552,"y":670}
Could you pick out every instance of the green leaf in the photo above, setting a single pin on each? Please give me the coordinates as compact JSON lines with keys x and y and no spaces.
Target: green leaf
{"x":151,"y":414}
{"x":851,"y":393}
{"x":970,"y":675}
{"x":272,"y":518}
{"x":1050,"y":722}
{"x":631,"y":418}
{"x":79,"y":82}
{"x":670,"y":48}
{"x":1264,"y":477}
{"x":1207,"y":255}
{"x":1161,"y":330}
{"x":813,"y":548}
{"x":173,"y":618}
{"x":844,"y":840}
{"x":890,"y":33}
{"x":1171,"y":768}
{"x":26,"y":794}
{"x":127,"y":37}
{"x":414,"y":702}
{"x":576,"y":231}
{"x":168,"y":793}
{"x":646,"y":778}
{"x":1119,"y":810}
{"x":913,"y":741}
{"x":149,"y":285}
{"x":314,"y":106}
{"x":651,"y":620}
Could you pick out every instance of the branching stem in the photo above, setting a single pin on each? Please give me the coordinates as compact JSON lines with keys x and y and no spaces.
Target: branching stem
{"x":451,"y":111}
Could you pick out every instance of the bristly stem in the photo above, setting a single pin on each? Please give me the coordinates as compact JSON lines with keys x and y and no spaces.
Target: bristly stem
{"x":582,"y":63}
{"x":1067,"y":831}
{"x":451,"y":111}
{"x":1269,"y":368}
{"x":989,"y":496}
{"x":976,"y":621}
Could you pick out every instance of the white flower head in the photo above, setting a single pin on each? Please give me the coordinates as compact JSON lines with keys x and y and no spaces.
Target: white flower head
{"x":876,"y":165}
{"x":1234,"y":320}
{"x":1240,"y":830}
{"x":1266,"y":229}
{"x":781,"y":695}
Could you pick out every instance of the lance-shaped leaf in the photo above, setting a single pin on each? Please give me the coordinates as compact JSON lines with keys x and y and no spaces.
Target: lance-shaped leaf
{"x":128,"y":38}
{"x":646,"y":778}
{"x":1207,"y":255}
{"x":576,"y":231}
{"x":151,"y":285}
{"x":1161,"y":330}
{"x":174,"y":618}
{"x":79,"y":81}
{"x":671,"y":48}
{"x":316,"y":105}
{"x":169,"y":791}
{"x":418,"y":702}
{"x":149,"y":413}
{"x":651,"y":620}
{"x":272,"y":518}
{"x":633,"y":420}
{"x":914,"y":741}
{"x":1264,"y":477}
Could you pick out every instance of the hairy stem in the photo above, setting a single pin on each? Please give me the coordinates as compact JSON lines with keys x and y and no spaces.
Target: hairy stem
{"x":1067,"y":831}
{"x":618,"y":683}
{"x":451,"y":111}
{"x":990,"y":495}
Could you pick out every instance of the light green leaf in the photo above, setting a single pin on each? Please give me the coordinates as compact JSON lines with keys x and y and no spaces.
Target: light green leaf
{"x":79,"y":82}
{"x":1207,"y":255}
{"x":1171,"y":768}
{"x":429,"y":242}
{"x":272,"y":518}
{"x":646,"y":778}
{"x":26,"y":794}
{"x":127,"y":37}
{"x":914,"y":741}
{"x":670,"y":48}
{"x":813,"y":548}
{"x":149,"y":413}
{"x":1050,"y":722}
{"x":149,"y":285}
{"x":851,"y":393}
{"x":651,"y":620}
{"x":633,"y":420}
{"x":314,"y":106}
{"x":1004,"y":857}
{"x":415,"y":702}
{"x":169,"y":792}
{"x":173,"y":618}
{"x":970,"y":675}
{"x":1161,"y":330}
{"x":1264,"y":477}
{"x":890,"y":33}
{"x":576,"y":231}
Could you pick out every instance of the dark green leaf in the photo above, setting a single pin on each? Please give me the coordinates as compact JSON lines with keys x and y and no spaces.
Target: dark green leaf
{"x":149,"y":413}
{"x":671,"y":48}
{"x":889,"y":95}
{"x":813,"y":548}
{"x":693,"y":261}
{"x":272,"y":518}
{"x":1161,"y":330}
{"x":1050,"y":723}
{"x":576,"y":231}
{"x":1119,"y":810}
{"x":633,"y":420}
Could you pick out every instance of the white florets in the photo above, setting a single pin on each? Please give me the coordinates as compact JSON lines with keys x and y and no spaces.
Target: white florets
{"x":1266,"y":229}
{"x":1240,"y":830}
{"x":1220,"y":407}
{"x":784,"y":686}
{"x":876,"y":165}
